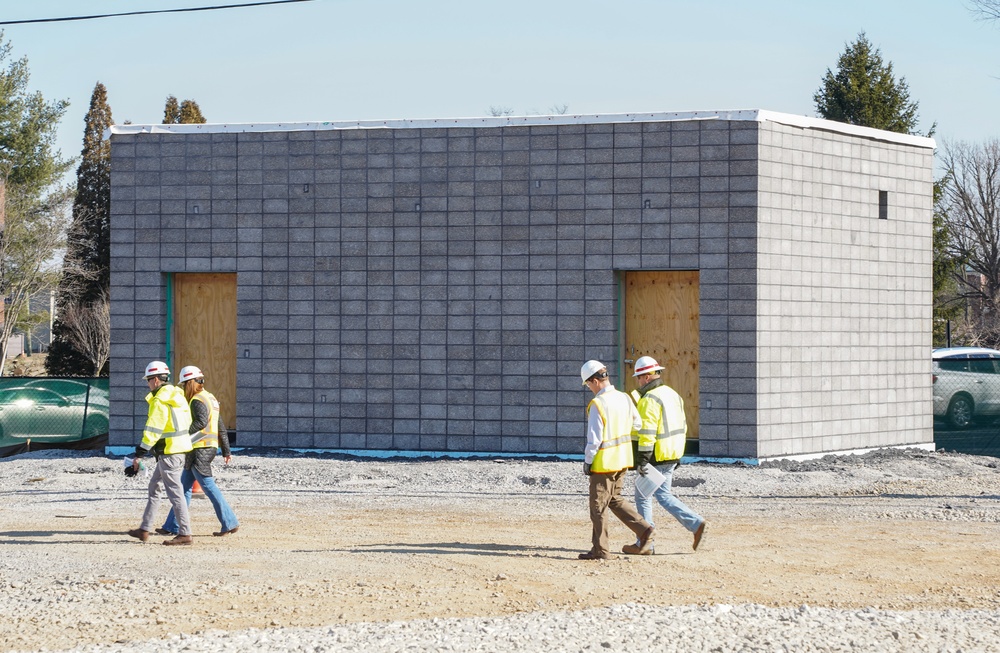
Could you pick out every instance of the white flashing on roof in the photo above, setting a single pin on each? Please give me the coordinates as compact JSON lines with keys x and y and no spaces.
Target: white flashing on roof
{"x":754,"y":115}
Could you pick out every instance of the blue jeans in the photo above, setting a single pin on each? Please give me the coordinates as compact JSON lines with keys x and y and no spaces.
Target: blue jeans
{"x":222,"y":510}
{"x":687,"y":517}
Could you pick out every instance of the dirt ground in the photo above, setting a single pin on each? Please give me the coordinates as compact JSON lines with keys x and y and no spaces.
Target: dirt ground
{"x":308,"y":554}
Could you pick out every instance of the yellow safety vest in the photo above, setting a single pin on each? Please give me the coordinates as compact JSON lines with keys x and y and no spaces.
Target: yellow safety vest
{"x":208,"y":436}
{"x":615,"y":453}
{"x":664,"y":426}
{"x":169,"y":418}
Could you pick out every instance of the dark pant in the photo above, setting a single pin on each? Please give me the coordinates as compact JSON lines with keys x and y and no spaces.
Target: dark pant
{"x":606,"y":492}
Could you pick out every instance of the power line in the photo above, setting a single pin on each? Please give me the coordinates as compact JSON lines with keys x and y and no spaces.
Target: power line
{"x":151,"y":11}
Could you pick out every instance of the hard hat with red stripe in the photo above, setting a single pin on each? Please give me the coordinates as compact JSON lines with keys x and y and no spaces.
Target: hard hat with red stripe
{"x":190,"y":372}
{"x":156,"y":368}
{"x":645,"y":365}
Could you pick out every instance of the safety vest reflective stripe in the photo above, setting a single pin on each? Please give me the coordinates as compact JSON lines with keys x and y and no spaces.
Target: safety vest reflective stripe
{"x":617,"y":441}
{"x":153,"y":429}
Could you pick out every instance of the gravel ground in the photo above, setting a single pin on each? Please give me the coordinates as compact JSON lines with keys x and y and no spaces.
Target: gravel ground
{"x":337,"y":553}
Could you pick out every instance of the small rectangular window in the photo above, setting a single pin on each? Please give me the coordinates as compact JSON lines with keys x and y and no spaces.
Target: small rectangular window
{"x":883,"y":205}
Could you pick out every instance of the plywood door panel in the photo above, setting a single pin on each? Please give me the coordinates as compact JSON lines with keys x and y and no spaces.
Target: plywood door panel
{"x":205,"y":334}
{"x":660,"y":311}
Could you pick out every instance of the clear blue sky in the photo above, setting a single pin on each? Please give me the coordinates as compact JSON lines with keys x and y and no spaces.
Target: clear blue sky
{"x":380,"y":59}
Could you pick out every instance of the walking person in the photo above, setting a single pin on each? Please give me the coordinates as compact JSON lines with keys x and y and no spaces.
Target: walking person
{"x":208,"y":433}
{"x":611,"y":417}
{"x":660,"y":441}
{"x":167,"y":425}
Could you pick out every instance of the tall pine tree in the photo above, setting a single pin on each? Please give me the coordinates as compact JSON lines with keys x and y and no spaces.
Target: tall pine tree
{"x":87,"y":277}
{"x":865,"y":92}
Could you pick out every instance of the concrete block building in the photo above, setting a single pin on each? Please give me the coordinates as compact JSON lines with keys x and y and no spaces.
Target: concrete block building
{"x":435,"y":285}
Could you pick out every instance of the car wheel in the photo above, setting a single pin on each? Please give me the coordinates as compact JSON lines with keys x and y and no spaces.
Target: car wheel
{"x":960,"y":412}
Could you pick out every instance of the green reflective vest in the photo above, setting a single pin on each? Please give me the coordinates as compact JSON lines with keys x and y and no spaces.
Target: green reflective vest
{"x":169,"y":418}
{"x":664,"y":426}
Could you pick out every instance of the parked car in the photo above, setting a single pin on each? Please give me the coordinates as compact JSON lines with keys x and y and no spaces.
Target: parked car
{"x":966,"y":384}
{"x":59,"y":411}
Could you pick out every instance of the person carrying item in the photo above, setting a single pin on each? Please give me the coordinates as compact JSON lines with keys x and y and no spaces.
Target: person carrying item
{"x":611,"y":417}
{"x":208,"y":433}
{"x":660,"y":441}
{"x":167,"y":422}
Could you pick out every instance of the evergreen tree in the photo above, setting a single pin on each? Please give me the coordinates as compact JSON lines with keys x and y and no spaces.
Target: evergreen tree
{"x":171,"y":112}
{"x":31,"y":219}
{"x":865,"y":92}
{"x":27,"y":131}
{"x":87,"y":264}
{"x":191,"y":113}
{"x":184,"y":113}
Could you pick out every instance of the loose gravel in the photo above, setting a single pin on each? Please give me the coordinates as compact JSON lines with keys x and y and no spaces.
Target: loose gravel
{"x":56,"y":599}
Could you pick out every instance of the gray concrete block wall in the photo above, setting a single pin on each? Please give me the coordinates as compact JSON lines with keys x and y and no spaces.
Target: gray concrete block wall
{"x":438,"y":288}
{"x":845,"y":298}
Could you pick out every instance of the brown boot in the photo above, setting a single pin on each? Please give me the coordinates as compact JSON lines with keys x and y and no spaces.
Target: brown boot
{"x":180,"y":540}
{"x":139,"y":534}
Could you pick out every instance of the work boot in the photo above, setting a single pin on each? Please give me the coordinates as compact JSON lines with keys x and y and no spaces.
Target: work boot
{"x":139,"y":534}
{"x":645,"y":543}
{"x":179,"y":540}
{"x":698,"y":535}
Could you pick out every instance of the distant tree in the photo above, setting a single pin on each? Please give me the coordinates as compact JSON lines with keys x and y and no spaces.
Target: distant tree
{"x":191,"y":113}
{"x":87,"y":263}
{"x":497,"y":112}
{"x":172,"y":111}
{"x":865,"y":92}
{"x":949,"y":303}
{"x":185,"y":113}
{"x":32,"y":232}
{"x":33,"y":212}
{"x":86,"y":328}
{"x":971,"y":200}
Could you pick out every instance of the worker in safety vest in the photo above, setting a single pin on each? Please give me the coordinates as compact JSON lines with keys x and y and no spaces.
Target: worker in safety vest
{"x":660,"y":441}
{"x":611,"y":417}
{"x":168,"y":420}
{"x":208,"y":433}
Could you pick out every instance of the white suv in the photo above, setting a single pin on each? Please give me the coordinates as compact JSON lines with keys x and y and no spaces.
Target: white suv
{"x":966,"y":384}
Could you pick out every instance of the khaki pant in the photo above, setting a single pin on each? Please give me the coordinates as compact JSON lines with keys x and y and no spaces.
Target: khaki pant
{"x":167,"y":477}
{"x":606,"y":492}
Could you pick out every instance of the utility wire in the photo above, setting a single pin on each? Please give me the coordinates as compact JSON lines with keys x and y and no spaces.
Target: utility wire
{"x":151,"y":11}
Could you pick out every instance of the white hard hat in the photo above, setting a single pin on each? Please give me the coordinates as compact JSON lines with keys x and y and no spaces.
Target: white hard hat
{"x":589,"y":369}
{"x":188,"y":373}
{"x":645,"y":365}
{"x":156,"y":368}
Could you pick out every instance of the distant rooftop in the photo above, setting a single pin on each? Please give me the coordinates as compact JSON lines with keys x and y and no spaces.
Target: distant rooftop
{"x":754,"y":115}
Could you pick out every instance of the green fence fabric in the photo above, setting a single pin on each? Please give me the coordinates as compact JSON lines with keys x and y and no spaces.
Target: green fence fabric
{"x":47,"y":412}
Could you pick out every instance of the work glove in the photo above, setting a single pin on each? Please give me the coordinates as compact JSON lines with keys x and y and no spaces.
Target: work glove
{"x":643,"y":460}
{"x":586,"y":468}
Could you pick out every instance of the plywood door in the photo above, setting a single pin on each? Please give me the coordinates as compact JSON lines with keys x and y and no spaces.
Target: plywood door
{"x":205,"y":334}
{"x":660,"y":316}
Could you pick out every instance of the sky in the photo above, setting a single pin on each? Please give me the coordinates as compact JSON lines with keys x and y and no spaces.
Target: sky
{"x":327,"y":60}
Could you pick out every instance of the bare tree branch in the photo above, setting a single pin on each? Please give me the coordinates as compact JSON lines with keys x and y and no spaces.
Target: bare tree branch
{"x":88,"y":327}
